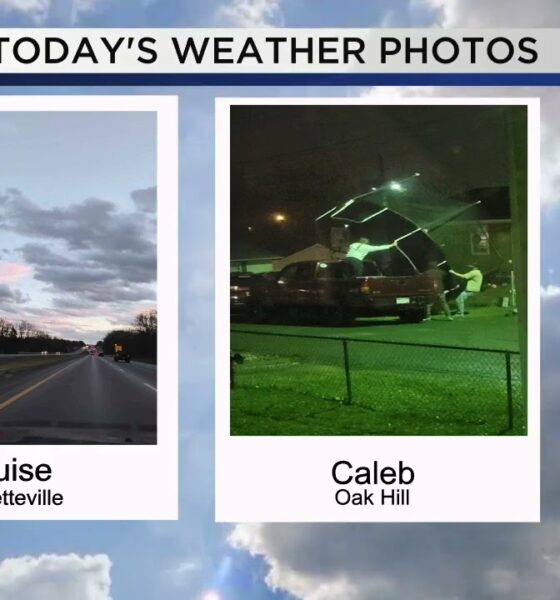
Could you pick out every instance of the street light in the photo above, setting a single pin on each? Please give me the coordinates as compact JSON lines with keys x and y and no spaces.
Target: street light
{"x":279,"y":218}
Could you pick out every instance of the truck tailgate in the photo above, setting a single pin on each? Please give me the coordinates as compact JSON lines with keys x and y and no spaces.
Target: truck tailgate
{"x":397,"y":287}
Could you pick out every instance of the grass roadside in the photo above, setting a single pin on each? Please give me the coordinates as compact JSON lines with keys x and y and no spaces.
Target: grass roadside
{"x":15,"y":365}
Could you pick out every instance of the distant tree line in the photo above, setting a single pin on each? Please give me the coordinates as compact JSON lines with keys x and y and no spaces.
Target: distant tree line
{"x":140,"y":340}
{"x":23,"y":336}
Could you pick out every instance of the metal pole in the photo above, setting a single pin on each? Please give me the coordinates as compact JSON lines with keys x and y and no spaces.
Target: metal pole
{"x":509,"y":392}
{"x":326,"y":213}
{"x":438,"y":224}
{"x":347,"y":372}
{"x":375,"y":214}
{"x":409,"y":234}
{"x":513,"y":291}
{"x":407,"y":258}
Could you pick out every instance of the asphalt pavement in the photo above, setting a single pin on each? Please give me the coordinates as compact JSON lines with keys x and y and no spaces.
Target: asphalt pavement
{"x":87,"y":399}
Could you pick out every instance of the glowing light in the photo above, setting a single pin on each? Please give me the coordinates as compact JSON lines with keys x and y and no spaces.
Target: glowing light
{"x":279,"y":217}
{"x":211,"y":595}
{"x":396,"y":186}
{"x":416,"y":174}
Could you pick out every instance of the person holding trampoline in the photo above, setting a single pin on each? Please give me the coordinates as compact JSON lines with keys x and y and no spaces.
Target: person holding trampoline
{"x":359,"y":250}
{"x":474,"y":283}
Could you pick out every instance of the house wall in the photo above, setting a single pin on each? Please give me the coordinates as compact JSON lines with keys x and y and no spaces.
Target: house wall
{"x":457,"y":241}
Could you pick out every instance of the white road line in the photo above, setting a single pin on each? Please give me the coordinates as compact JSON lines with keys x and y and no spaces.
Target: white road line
{"x":151,"y":387}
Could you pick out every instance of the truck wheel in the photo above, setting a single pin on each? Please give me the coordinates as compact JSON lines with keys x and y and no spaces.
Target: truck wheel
{"x":412,"y":316}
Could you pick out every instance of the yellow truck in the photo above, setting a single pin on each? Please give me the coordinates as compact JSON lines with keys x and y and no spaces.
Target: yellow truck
{"x":120,"y":354}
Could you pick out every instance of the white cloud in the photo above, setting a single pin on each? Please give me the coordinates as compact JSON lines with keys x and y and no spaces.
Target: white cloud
{"x":39,"y":11}
{"x":250,"y":13}
{"x":35,"y":9}
{"x":549,"y":291}
{"x":417,"y":562}
{"x":185,"y":572}
{"x":282,"y":576}
{"x":502,"y":582}
{"x":498,"y":13}
{"x":56,"y":577}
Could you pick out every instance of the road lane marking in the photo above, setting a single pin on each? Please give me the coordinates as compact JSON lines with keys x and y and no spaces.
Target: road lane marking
{"x":135,"y":377}
{"x":29,"y":389}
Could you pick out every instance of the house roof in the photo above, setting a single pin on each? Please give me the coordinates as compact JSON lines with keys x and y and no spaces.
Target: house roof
{"x":243,"y":250}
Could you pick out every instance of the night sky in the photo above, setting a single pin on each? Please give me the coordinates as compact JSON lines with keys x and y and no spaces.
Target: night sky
{"x":300,"y":161}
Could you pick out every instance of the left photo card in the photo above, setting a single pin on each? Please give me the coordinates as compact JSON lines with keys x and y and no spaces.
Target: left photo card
{"x":88,"y":300}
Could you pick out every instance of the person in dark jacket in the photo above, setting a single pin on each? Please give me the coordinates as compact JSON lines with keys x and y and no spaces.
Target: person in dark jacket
{"x":439,"y":291}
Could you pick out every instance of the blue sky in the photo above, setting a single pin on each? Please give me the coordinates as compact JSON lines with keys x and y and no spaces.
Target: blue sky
{"x":187,"y":559}
{"x":64,"y":175}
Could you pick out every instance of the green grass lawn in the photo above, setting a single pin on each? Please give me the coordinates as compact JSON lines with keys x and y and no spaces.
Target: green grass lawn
{"x":297,"y":386}
{"x":487,"y":327}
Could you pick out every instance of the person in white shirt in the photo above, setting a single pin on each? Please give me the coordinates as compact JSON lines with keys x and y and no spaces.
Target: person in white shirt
{"x":474,"y":283}
{"x":359,"y":250}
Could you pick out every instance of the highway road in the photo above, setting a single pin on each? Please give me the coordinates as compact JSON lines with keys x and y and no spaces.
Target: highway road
{"x":89,"y":399}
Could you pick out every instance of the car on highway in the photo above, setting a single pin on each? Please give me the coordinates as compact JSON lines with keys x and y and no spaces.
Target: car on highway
{"x":328,"y":290}
{"x":121,"y":356}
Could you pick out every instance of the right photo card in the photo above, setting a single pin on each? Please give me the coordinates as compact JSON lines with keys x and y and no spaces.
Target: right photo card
{"x":383,"y":277}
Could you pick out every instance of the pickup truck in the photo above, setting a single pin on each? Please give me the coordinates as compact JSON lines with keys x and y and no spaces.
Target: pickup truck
{"x":329,"y":290}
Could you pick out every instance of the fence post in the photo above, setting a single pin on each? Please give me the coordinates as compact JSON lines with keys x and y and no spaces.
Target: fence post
{"x":509,"y":392}
{"x":347,"y":372}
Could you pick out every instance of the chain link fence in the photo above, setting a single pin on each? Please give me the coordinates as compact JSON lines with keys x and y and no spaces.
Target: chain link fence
{"x":291,"y":384}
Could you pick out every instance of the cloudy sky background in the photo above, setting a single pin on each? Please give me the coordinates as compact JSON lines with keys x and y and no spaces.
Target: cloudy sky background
{"x":196,"y":559}
{"x":77,"y":220}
